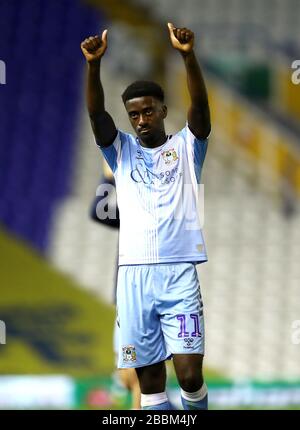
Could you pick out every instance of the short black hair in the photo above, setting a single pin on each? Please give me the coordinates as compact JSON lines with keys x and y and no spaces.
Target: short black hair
{"x":141,"y":89}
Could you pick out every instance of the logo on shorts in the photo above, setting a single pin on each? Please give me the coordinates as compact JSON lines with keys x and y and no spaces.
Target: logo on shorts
{"x":188,"y":342}
{"x":129,"y":353}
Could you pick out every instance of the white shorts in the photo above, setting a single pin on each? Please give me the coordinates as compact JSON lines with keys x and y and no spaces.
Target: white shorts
{"x":159,"y":313}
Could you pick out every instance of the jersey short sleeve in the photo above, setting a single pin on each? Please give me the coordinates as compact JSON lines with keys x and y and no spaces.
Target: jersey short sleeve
{"x":198,"y":147}
{"x":113,"y":152}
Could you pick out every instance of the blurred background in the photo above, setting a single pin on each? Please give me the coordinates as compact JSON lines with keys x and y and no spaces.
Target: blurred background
{"x":57,"y":266}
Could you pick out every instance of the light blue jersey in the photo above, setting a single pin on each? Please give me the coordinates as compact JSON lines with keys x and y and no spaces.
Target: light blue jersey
{"x":157,"y":192}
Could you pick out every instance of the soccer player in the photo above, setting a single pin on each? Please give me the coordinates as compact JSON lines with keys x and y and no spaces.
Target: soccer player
{"x":160,"y":310}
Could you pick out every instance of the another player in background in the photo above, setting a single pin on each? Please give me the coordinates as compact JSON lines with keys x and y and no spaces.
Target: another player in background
{"x":128,"y":377}
{"x":159,"y":302}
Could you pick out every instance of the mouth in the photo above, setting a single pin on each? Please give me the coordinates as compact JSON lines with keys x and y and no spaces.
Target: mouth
{"x":144,"y":131}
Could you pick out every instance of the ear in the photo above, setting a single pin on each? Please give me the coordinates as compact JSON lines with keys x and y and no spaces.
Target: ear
{"x":164,"y":111}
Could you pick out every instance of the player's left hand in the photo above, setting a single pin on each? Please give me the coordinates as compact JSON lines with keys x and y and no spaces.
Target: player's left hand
{"x":182,"y":39}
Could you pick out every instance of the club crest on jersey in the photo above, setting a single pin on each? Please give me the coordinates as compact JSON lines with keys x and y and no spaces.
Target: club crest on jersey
{"x":129,"y":353}
{"x":169,"y":156}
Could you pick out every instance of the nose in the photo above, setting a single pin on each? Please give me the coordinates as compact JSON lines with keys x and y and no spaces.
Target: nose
{"x":142,"y":120}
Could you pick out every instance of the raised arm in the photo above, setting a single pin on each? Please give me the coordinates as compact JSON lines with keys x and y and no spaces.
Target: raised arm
{"x":182,"y":40}
{"x":102,"y":123}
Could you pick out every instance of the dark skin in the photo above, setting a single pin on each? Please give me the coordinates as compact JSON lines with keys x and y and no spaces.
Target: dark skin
{"x":182,"y":39}
{"x":147,"y":115}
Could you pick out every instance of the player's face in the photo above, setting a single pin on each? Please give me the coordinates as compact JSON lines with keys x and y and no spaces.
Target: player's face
{"x":146,"y":115}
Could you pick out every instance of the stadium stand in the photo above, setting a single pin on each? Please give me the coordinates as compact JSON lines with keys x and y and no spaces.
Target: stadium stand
{"x":38,"y":125}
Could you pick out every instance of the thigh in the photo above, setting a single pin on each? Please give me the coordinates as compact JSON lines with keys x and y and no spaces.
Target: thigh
{"x":152,"y":378}
{"x":187,"y":363}
{"x":141,"y":341}
{"x":182,"y":317}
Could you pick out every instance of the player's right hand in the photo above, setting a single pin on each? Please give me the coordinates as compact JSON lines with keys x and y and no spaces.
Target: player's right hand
{"x":93,"y":48}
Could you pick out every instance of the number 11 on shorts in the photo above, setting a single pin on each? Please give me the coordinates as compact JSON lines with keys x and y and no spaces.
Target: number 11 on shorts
{"x":183,"y":332}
